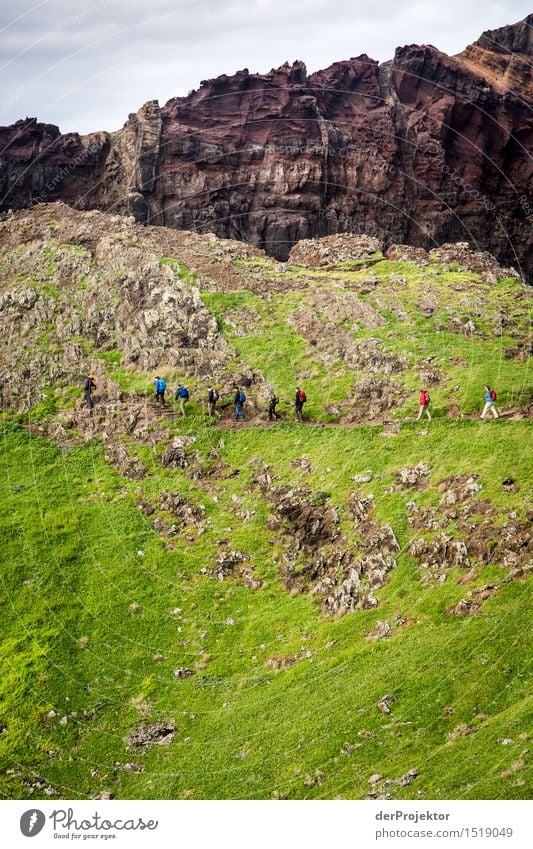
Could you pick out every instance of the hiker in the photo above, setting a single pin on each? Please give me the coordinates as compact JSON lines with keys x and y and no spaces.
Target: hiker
{"x":160,"y":386}
{"x":212,"y":398}
{"x":489,"y":397}
{"x":89,"y":386}
{"x":182,"y":395}
{"x":239,"y":401}
{"x":299,"y":400}
{"x":272,"y":402}
{"x":424,"y":401}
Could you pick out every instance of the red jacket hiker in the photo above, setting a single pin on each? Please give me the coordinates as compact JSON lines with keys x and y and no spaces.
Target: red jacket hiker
{"x":424,"y":404}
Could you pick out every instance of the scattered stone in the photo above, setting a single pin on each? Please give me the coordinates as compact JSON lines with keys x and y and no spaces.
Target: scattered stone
{"x":364,"y":477}
{"x":464,"y":607}
{"x":128,"y":767}
{"x":176,"y":456}
{"x":457,"y":489}
{"x":226,"y":563}
{"x":461,"y":730}
{"x":278,"y":662}
{"x":381,"y":631}
{"x":157,"y":734}
{"x":302,"y":464}
{"x":313,"y":780}
{"x":385,"y":703}
{"x":128,"y":467}
{"x":480,"y":262}
{"x":439,"y":554}
{"x":408,"y":253}
{"x":414,"y":475}
{"x":182,"y":673}
{"x":330,"y":250}
{"x":408,"y":778}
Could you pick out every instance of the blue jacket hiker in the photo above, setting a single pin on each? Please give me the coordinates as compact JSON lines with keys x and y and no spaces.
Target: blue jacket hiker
{"x":489,"y":396}
{"x":160,"y":386}
{"x":182,"y":395}
{"x":239,"y":401}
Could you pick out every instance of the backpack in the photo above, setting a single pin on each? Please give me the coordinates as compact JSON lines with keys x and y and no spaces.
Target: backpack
{"x":427,"y":399}
{"x":161,"y":386}
{"x":242,"y":397}
{"x":213,"y":396}
{"x":302,"y":397}
{"x":493,"y":394}
{"x":183,"y":393}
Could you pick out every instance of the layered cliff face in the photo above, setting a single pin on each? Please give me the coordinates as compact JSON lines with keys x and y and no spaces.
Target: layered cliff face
{"x":422,"y":150}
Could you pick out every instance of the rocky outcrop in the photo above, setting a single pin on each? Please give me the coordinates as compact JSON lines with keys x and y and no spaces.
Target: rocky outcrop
{"x":64,"y":306}
{"x":319,"y":559}
{"x":420,"y":150}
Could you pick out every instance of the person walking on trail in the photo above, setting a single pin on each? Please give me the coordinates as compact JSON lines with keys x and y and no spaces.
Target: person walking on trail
{"x":424,"y":401}
{"x":273,"y":400}
{"x":87,"y":391}
{"x":299,"y":400}
{"x":239,"y":401}
{"x":489,"y":397}
{"x":182,"y":395}
{"x":212,"y":398}
{"x":160,"y":386}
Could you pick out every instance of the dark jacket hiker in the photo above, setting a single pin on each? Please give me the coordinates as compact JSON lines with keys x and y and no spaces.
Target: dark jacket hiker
{"x":212,"y":399}
{"x":239,"y":401}
{"x":272,"y":403}
{"x":90,"y":385}
{"x":299,"y":400}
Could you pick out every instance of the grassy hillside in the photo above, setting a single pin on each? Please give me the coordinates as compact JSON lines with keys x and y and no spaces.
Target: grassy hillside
{"x":78,"y":554}
{"x":165,"y":623}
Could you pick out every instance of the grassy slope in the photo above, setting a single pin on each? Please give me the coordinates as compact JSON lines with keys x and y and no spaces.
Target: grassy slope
{"x":467,"y":362}
{"x":71,"y":569}
{"x":72,"y":536}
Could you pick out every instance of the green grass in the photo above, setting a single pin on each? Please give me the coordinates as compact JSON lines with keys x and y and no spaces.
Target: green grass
{"x":71,"y":569}
{"x":77,"y":553}
{"x":180,"y":268}
{"x":281,"y":355}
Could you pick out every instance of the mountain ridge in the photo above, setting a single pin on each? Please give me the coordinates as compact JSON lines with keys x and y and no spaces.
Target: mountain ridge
{"x":421,"y":149}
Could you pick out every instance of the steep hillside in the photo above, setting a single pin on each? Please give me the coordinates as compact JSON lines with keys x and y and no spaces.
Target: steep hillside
{"x":194,"y":608}
{"x":422,"y":149}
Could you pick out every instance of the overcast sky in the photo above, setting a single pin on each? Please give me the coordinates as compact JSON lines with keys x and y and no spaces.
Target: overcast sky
{"x":85,"y":64}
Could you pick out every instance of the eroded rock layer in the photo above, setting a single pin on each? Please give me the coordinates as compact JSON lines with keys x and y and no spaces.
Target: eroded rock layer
{"x":422,"y":149}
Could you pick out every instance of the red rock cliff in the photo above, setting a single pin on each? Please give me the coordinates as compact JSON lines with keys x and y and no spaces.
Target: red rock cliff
{"x":423,"y":149}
